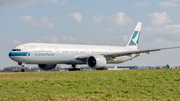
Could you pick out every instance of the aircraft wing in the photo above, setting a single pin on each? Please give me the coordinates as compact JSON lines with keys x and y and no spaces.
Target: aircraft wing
{"x":128,"y":53}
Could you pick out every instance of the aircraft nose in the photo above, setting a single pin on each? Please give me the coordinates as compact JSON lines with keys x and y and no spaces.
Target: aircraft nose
{"x":10,"y":54}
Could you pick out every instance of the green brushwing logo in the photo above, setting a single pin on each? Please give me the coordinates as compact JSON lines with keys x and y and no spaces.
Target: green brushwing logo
{"x":135,"y":39}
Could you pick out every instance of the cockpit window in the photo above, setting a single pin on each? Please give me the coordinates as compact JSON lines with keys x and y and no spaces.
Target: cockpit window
{"x":16,"y":50}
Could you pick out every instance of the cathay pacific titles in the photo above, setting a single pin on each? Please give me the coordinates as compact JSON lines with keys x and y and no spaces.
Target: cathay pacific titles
{"x":44,"y":54}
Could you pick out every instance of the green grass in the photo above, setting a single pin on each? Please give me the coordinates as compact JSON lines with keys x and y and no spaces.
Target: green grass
{"x":154,"y":84}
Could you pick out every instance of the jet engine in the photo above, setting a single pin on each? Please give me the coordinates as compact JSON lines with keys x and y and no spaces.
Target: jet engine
{"x":47,"y":66}
{"x":96,"y":61}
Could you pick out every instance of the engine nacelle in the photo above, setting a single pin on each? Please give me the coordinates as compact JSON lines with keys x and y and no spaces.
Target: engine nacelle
{"x":47,"y":66}
{"x":96,"y":61}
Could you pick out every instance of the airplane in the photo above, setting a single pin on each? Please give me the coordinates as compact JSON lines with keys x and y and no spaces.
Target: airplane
{"x":48,"y":55}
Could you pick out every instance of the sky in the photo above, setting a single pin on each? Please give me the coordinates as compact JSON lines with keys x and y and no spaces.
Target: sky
{"x":92,"y":22}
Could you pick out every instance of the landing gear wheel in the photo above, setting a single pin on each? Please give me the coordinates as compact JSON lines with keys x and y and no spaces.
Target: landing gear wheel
{"x":23,"y":70}
{"x":74,"y":68}
{"x":103,"y":68}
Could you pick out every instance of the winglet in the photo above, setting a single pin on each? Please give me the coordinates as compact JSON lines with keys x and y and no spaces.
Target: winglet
{"x":133,"y":42}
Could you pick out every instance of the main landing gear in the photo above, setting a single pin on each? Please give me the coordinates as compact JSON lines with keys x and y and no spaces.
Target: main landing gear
{"x":103,"y":68}
{"x":23,"y":69}
{"x":74,"y":68}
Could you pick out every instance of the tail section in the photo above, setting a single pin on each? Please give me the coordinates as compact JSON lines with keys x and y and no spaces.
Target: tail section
{"x":133,"y":42}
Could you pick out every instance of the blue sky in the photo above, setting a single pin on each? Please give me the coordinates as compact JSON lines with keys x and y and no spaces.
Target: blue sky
{"x":101,"y":22}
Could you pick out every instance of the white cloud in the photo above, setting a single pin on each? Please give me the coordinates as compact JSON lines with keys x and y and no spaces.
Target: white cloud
{"x":60,"y":2}
{"x":98,"y":18}
{"x":174,"y":29}
{"x":77,"y":7}
{"x":105,"y":40}
{"x":124,"y":37}
{"x":27,"y":18}
{"x":48,"y":39}
{"x":77,"y":16}
{"x":167,"y":4}
{"x":107,"y":30}
{"x":167,"y":29}
{"x":20,"y":3}
{"x":144,"y":3}
{"x":68,"y":39}
{"x":164,"y":36}
{"x":16,"y":3}
{"x":16,"y":42}
{"x":55,"y":39}
{"x":159,"y":18}
{"x":42,"y":22}
{"x":51,"y":38}
{"x":120,"y":18}
{"x":160,"y":40}
{"x":175,"y":0}
{"x":39,"y":41}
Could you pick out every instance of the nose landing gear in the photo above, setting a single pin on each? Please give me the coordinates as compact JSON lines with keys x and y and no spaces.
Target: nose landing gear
{"x":23,"y":69}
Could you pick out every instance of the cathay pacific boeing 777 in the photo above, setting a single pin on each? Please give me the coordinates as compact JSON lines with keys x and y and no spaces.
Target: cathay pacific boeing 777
{"x":47,"y":55}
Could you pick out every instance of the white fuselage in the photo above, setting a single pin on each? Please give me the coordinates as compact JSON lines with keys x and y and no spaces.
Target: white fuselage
{"x":43,"y":53}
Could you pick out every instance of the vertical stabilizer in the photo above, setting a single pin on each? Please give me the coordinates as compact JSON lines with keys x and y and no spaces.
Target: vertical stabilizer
{"x":133,"y":42}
